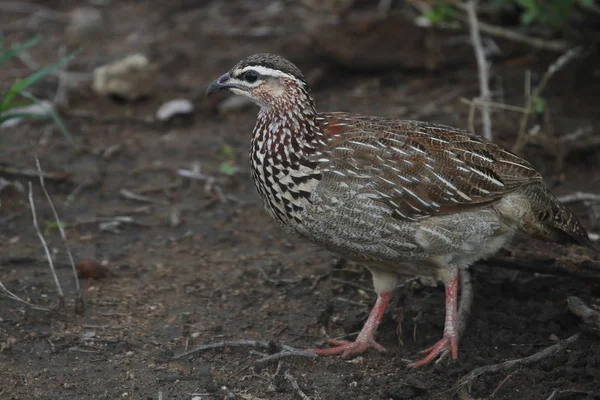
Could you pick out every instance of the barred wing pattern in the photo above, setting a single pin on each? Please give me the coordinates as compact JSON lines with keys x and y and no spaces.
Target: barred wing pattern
{"x":417,"y":169}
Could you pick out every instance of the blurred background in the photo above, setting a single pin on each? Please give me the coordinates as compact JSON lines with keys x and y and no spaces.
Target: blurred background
{"x":151,"y":182}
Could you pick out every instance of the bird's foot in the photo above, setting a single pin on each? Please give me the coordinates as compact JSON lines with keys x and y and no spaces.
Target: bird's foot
{"x":348,"y":348}
{"x":448,"y":344}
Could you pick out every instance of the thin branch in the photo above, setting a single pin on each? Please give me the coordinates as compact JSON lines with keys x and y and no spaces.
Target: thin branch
{"x":493,"y":104}
{"x":530,"y":96}
{"x":579,"y":196}
{"x":581,"y":268}
{"x":295,"y":385}
{"x":32,"y":173}
{"x":45,"y":245}
{"x":482,"y":66}
{"x":13,"y":296}
{"x":79,"y":306}
{"x":540,"y":355}
{"x":281,"y":350}
{"x":590,"y":317}
{"x":493,"y":30}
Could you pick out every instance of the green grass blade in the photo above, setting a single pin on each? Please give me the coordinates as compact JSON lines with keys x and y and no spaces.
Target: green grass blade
{"x":4,"y":118}
{"x":52,"y":114}
{"x":5,"y":56}
{"x":23,"y":84}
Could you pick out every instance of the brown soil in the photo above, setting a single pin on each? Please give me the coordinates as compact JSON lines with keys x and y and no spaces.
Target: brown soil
{"x":226,"y":271}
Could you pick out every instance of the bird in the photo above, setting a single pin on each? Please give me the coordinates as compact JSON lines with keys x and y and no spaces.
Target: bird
{"x":398,"y":196}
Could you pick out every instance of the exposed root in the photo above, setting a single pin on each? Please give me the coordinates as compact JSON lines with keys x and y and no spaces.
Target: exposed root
{"x":464,"y":384}
{"x":589,"y":316}
{"x":295,"y":385}
{"x":279,"y":350}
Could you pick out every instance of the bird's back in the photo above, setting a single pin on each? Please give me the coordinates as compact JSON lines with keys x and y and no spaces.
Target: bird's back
{"x":419,"y":171}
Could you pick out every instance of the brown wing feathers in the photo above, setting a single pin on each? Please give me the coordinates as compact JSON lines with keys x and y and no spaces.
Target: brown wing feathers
{"x":421,"y":169}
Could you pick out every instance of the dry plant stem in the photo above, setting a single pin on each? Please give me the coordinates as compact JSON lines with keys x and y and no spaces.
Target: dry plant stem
{"x":285,"y":351}
{"x":79,"y":305}
{"x":530,"y":96}
{"x":493,"y":30}
{"x":492,"y":104}
{"x":583,"y":269}
{"x":482,"y":66}
{"x":579,"y":196}
{"x":26,"y":8}
{"x":61,"y":95}
{"x":31,"y":173}
{"x":46,"y":249}
{"x":13,"y":296}
{"x":589,"y":316}
{"x":468,"y":379}
{"x":295,"y":385}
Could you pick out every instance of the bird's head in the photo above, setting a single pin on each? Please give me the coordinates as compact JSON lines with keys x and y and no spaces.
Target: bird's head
{"x":267,"y":79}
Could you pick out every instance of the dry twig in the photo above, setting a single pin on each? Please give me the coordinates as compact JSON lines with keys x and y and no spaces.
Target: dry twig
{"x":129,"y":195}
{"x":282,"y":350}
{"x":13,"y":296}
{"x":532,"y":96}
{"x":589,"y":316}
{"x":46,"y":249}
{"x":498,"y":31}
{"x":79,"y":304}
{"x":494,"y":30}
{"x":482,"y":66}
{"x":465,"y":382}
{"x":579,"y":196}
{"x":295,"y":385}
{"x":583,"y":268}
{"x":32,"y":173}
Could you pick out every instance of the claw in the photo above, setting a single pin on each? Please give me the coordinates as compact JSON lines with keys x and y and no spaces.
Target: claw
{"x":366,"y":337}
{"x":348,"y":348}
{"x":447,"y":343}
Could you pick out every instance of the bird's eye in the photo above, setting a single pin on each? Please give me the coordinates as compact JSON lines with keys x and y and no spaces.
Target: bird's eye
{"x":251,"y":76}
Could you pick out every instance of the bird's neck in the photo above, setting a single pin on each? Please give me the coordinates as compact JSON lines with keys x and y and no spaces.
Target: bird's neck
{"x":286,"y":135}
{"x":287,"y":127}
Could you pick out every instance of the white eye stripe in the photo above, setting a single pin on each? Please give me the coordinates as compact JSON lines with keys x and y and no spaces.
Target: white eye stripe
{"x":265,"y":71}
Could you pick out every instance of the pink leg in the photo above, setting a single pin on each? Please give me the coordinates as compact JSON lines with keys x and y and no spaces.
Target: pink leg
{"x":450,"y":328}
{"x":366,"y":337}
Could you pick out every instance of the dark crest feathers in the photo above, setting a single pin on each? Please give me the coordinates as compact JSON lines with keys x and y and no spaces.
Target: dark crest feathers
{"x":272,"y":61}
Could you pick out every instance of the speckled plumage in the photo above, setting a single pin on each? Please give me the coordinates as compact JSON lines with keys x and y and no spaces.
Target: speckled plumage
{"x":402,"y":197}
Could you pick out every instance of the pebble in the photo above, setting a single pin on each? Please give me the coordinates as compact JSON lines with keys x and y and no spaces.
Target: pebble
{"x":173,"y":108}
{"x":84,"y":23}
{"x":131,"y":78}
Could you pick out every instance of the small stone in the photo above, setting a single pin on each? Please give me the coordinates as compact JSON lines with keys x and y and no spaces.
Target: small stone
{"x":356,"y":360}
{"x":173,"y":108}
{"x":84,"y":22}
{"x":130,"y":78}
{"x":88,"y":335}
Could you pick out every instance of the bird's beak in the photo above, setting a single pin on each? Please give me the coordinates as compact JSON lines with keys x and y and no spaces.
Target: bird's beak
{"x":220,"y":84}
